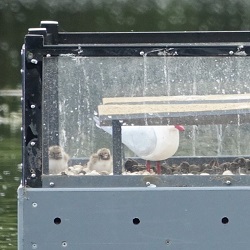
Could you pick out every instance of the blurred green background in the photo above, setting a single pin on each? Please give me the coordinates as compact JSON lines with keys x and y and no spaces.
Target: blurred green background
{"x":16,"y":16}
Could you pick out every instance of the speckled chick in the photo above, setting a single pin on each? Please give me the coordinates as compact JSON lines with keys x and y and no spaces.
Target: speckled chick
{"x":101,"y":161}
{"x":58,"y":160}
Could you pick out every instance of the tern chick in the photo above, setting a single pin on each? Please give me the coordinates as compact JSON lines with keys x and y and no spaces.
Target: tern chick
{"x":58,"y":160}
{"x":101,"y":161}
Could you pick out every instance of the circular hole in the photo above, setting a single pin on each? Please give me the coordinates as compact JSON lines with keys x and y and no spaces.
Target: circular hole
{"x":57,"y":221}
{"x":136,"y":221}
{"x":224,"y":220}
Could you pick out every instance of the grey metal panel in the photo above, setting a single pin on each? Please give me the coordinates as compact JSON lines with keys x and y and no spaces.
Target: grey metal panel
{"x":20,"y":217}
{"x":169,"y":218}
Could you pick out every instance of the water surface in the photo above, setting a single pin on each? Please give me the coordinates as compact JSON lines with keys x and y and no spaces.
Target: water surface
{"x":10,"y":174}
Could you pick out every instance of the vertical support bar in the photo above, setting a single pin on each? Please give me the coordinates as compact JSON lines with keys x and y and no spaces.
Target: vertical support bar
{"x":117,"y":152}
{"x":32,"y":112}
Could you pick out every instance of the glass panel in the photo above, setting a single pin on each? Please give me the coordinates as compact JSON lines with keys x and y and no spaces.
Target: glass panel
{"x":83,"y":82}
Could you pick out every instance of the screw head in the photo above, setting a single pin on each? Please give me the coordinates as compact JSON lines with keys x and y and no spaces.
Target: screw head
{"x":52,"y":184}
{"x":64,"y":244}
{"x":34,"y":61}
{"x":33,"y":175}
{"x":34,"y":204}
{"x":34,"y":246}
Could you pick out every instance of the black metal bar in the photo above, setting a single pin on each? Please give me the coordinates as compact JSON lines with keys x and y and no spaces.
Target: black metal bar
{"x":117,"y":140}
{"x":32,"y":118}
{"x":146,"y":49}
{"x":153,"y":37}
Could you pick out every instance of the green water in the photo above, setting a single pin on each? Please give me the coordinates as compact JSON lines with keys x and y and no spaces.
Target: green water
{"x":10,"y":157}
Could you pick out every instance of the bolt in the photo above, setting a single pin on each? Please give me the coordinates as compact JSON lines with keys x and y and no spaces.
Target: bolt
{"x":167,"y":242}
{"x":34,"y":61}
{"x":34,"y":204}
{"x":64,"y":243}
{"x":34,"y":246}
{"x":52,"y":184}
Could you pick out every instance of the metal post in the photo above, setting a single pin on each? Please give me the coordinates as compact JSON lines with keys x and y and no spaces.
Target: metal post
{"x":117,"y":141}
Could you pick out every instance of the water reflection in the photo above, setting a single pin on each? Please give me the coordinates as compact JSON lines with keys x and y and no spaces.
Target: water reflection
{"x":10,"y":155}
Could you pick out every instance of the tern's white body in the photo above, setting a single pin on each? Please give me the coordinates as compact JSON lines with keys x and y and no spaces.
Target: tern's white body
{"x":153,"y":143}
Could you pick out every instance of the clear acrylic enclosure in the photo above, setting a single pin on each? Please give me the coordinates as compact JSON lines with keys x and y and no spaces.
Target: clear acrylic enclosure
{"x":207,"y":96}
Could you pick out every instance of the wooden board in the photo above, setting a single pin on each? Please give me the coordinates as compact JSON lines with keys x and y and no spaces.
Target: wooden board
{"x":186,"y":110}
{"x":178,"y":99}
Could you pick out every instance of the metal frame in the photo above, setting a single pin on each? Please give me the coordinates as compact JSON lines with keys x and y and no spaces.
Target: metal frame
{"x":47,"y":41}
{"x":122,"y":212}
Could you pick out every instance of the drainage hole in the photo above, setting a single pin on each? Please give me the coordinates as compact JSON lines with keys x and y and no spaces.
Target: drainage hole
{"x":57,"y":220}
{"x":136,"y":221}
{"x":224,"y":220}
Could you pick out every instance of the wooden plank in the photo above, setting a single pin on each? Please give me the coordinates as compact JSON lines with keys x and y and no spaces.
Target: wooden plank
{"x":190,"y":99}
{"x":125,"y":109}
{"x":186,"y":110}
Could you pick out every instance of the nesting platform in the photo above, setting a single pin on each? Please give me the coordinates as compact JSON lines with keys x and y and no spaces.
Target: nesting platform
{"x":185,"y":110}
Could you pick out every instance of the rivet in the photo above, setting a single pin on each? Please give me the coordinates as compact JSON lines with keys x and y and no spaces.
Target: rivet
{"x":33,"y":175}
{"x":34,"y":246}
{"x":231,"y":52}
{"x":167,"y":242}
{"x":52,"y":184}
{"x":64,"y":244}
{"x":34,"y":61}
{"x":32,"y":143}
{"x":228,"y":182}
{"x":142,"y":53}
{"x":32,"y":106}
{"x":34,"y":204}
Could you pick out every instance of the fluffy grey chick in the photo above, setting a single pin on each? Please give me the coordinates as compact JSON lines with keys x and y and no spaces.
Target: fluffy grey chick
{"x":58,"y":160}
{"x":101,"y":161}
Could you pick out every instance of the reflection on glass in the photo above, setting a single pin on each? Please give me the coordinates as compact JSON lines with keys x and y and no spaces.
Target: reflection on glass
{"x":83,"y":83}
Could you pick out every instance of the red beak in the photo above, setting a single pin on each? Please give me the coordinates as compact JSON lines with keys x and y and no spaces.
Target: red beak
{"x":180,"y":127}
